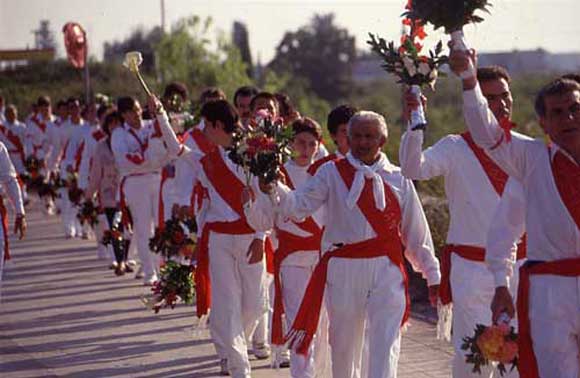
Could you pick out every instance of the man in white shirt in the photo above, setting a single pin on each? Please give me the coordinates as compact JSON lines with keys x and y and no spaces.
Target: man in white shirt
{"x":139,"y":154}
{"x":11,"y":187}
{"x":474,"y":185}
{"x":374,"y":212}
{"x":548,"y":300}
{"x":230,"y":274}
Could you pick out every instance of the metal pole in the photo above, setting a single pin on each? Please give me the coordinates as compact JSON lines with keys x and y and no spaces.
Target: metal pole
{"x":163,"y":16}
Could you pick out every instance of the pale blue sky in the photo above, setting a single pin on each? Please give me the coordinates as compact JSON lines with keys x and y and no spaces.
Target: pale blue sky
{"x":523,"y":24}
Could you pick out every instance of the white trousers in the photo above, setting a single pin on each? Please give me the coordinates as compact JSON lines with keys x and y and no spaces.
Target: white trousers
{"x":360,"y":290}
{"x":294,"y":282}
{"x":141,"y":195}
{"x":2,"y":239}
{"x":239,"y":297}
{"x":68,"y":213}
{"x":555,"y":325}
{"x":168,"y":196}
{"x":473,"y":287}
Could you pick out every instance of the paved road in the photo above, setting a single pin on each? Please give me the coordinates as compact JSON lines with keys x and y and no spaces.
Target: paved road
{"x":64,"y":314}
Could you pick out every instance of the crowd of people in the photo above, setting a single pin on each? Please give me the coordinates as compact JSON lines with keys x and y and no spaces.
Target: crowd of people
{"x":308,"y":270}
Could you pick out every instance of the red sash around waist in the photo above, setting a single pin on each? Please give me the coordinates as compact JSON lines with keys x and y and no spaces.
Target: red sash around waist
{"x":527,"y":364}
{"x":468,"y":252}
{"x":287,"y":244}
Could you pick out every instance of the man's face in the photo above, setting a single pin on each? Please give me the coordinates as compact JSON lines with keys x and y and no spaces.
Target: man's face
{"x":366,"y":141}
{"x":562,"y":119}
{"x":243,"y":107}
{"x":499,"y":98}
{"x":133,"y":116}
{"x":11,"y":114}
{"x":305,"y":145}
{"x":44,"y":111}
{"x":266,"y":104}
{"x":220,"y":133}
{"x":62,"y":111}
{"x":341,"y":138}
{"x":92,"y":113}
{"x":74,"y":109}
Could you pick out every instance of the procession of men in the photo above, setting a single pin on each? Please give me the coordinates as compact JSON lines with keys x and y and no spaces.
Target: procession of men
{"x":308,"y":270}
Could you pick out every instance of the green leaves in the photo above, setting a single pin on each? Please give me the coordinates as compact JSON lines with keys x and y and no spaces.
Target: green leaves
{"x":451,"y":15}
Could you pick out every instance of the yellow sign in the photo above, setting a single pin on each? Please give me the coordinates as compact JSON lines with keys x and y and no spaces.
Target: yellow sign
{"x":28,"y":55}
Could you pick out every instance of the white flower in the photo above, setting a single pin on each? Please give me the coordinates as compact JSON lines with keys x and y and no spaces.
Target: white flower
{"x":433,"y":75}
{"x":424,"y":69}
{"x":133,"y":60}
{"x":410,"y":66}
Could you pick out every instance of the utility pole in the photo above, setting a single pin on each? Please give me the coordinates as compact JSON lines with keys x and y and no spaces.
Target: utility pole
{"x":163,"y":15}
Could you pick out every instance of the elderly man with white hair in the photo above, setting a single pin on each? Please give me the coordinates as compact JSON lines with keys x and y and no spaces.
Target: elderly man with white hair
{"x":373,"y":217}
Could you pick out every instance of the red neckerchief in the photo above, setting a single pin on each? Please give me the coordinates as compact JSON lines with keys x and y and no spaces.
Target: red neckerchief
{"x":495,"y":174}
{"x":98,"y":135}
{"x":567,"y":177}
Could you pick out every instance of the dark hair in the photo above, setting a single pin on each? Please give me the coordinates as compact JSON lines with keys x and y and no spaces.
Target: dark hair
{"x":177,"y":88}
{"x":71,"y":99}
{"x":494,"y":72}
{"x":285,"y":104}
{"x":556,"y":87}
{"x":211,"y":92}
{"x":223,"y":111}
{"x":104,"y":108}
{"x":338,"y":116}
{"x":110,"y":118}
{"x":60,"y":103}
{"x":571,"y":76}
{"x":264,"y":95}
{"x":43,"y":101}
{"x":125,"y":104}
{"x":245,"y":91}
{"x":307,"y":125}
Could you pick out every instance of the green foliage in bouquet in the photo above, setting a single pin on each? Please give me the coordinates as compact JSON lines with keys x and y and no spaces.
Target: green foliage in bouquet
{"x":262,"y":149}
{"x":176,"y":238}
{"x":451,"y":15}
{"x":175,"y":284}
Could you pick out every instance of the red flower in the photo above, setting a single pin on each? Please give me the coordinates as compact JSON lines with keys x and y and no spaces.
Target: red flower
{"x":418,"y":46}
{"x":409,"y":5}
{"x":419,"y":32}
{"x":178,"y":237}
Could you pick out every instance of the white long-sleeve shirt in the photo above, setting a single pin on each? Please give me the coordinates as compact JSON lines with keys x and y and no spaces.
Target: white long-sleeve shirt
{"x":39,"y":141}
{"x":91,"y":140}
{"x":8,"y":180}
{"x":216,"y":209}
{"x":471,"y":196}
{"x":346,"y":226}
{"x":505,"y":232}
{"x":137,"y":151}
{"x":72,"y":148}
{"x":551,"y":231}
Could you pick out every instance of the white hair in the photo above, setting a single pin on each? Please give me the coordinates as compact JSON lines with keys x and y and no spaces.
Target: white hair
{"x":368,"y":116}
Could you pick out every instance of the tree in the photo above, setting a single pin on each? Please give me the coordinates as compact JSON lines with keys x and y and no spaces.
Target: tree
{"x":139,"y":40}
{"x":185,"y":54}
{"x":321,"y":52}
{"x":241,"y":41}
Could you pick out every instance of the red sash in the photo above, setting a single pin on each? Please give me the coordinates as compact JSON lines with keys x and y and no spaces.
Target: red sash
{"x":527,"y":363}
{"x":318,"y":163}
{"x":205,"y":146}
{"x":4,"y":219}
{"x":567,"y":177}
{"x":229,"y":188}
{"x":41,"y":125}
{"x":495,"y":174}
{"x":468,"y":252}
{"x":79,"y":155}
{"x":288,"y":244}
{"x":387,"y":243}
{"x":14,"y":140}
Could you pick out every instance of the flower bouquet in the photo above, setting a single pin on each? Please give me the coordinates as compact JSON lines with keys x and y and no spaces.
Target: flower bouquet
{"x":75,"y":194}
{"x":88,"y":213}
{"x":496,"y":343}
{"x":177,"y":238}
{"x":32,"y":177}
{"x":175,"y":285}
{"x":408,"y":64}
{"x":451,"y":15}
{"x":111,"y":236}
{"x":261,"y":149}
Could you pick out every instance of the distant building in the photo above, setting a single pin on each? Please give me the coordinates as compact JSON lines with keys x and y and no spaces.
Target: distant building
{"x":368,"y":67}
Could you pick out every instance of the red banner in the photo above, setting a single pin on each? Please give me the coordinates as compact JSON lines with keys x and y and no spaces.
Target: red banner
{"x":75,"y":42}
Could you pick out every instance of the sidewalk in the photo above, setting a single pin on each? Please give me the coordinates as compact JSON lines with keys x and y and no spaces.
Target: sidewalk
{"x":64,"y":314}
